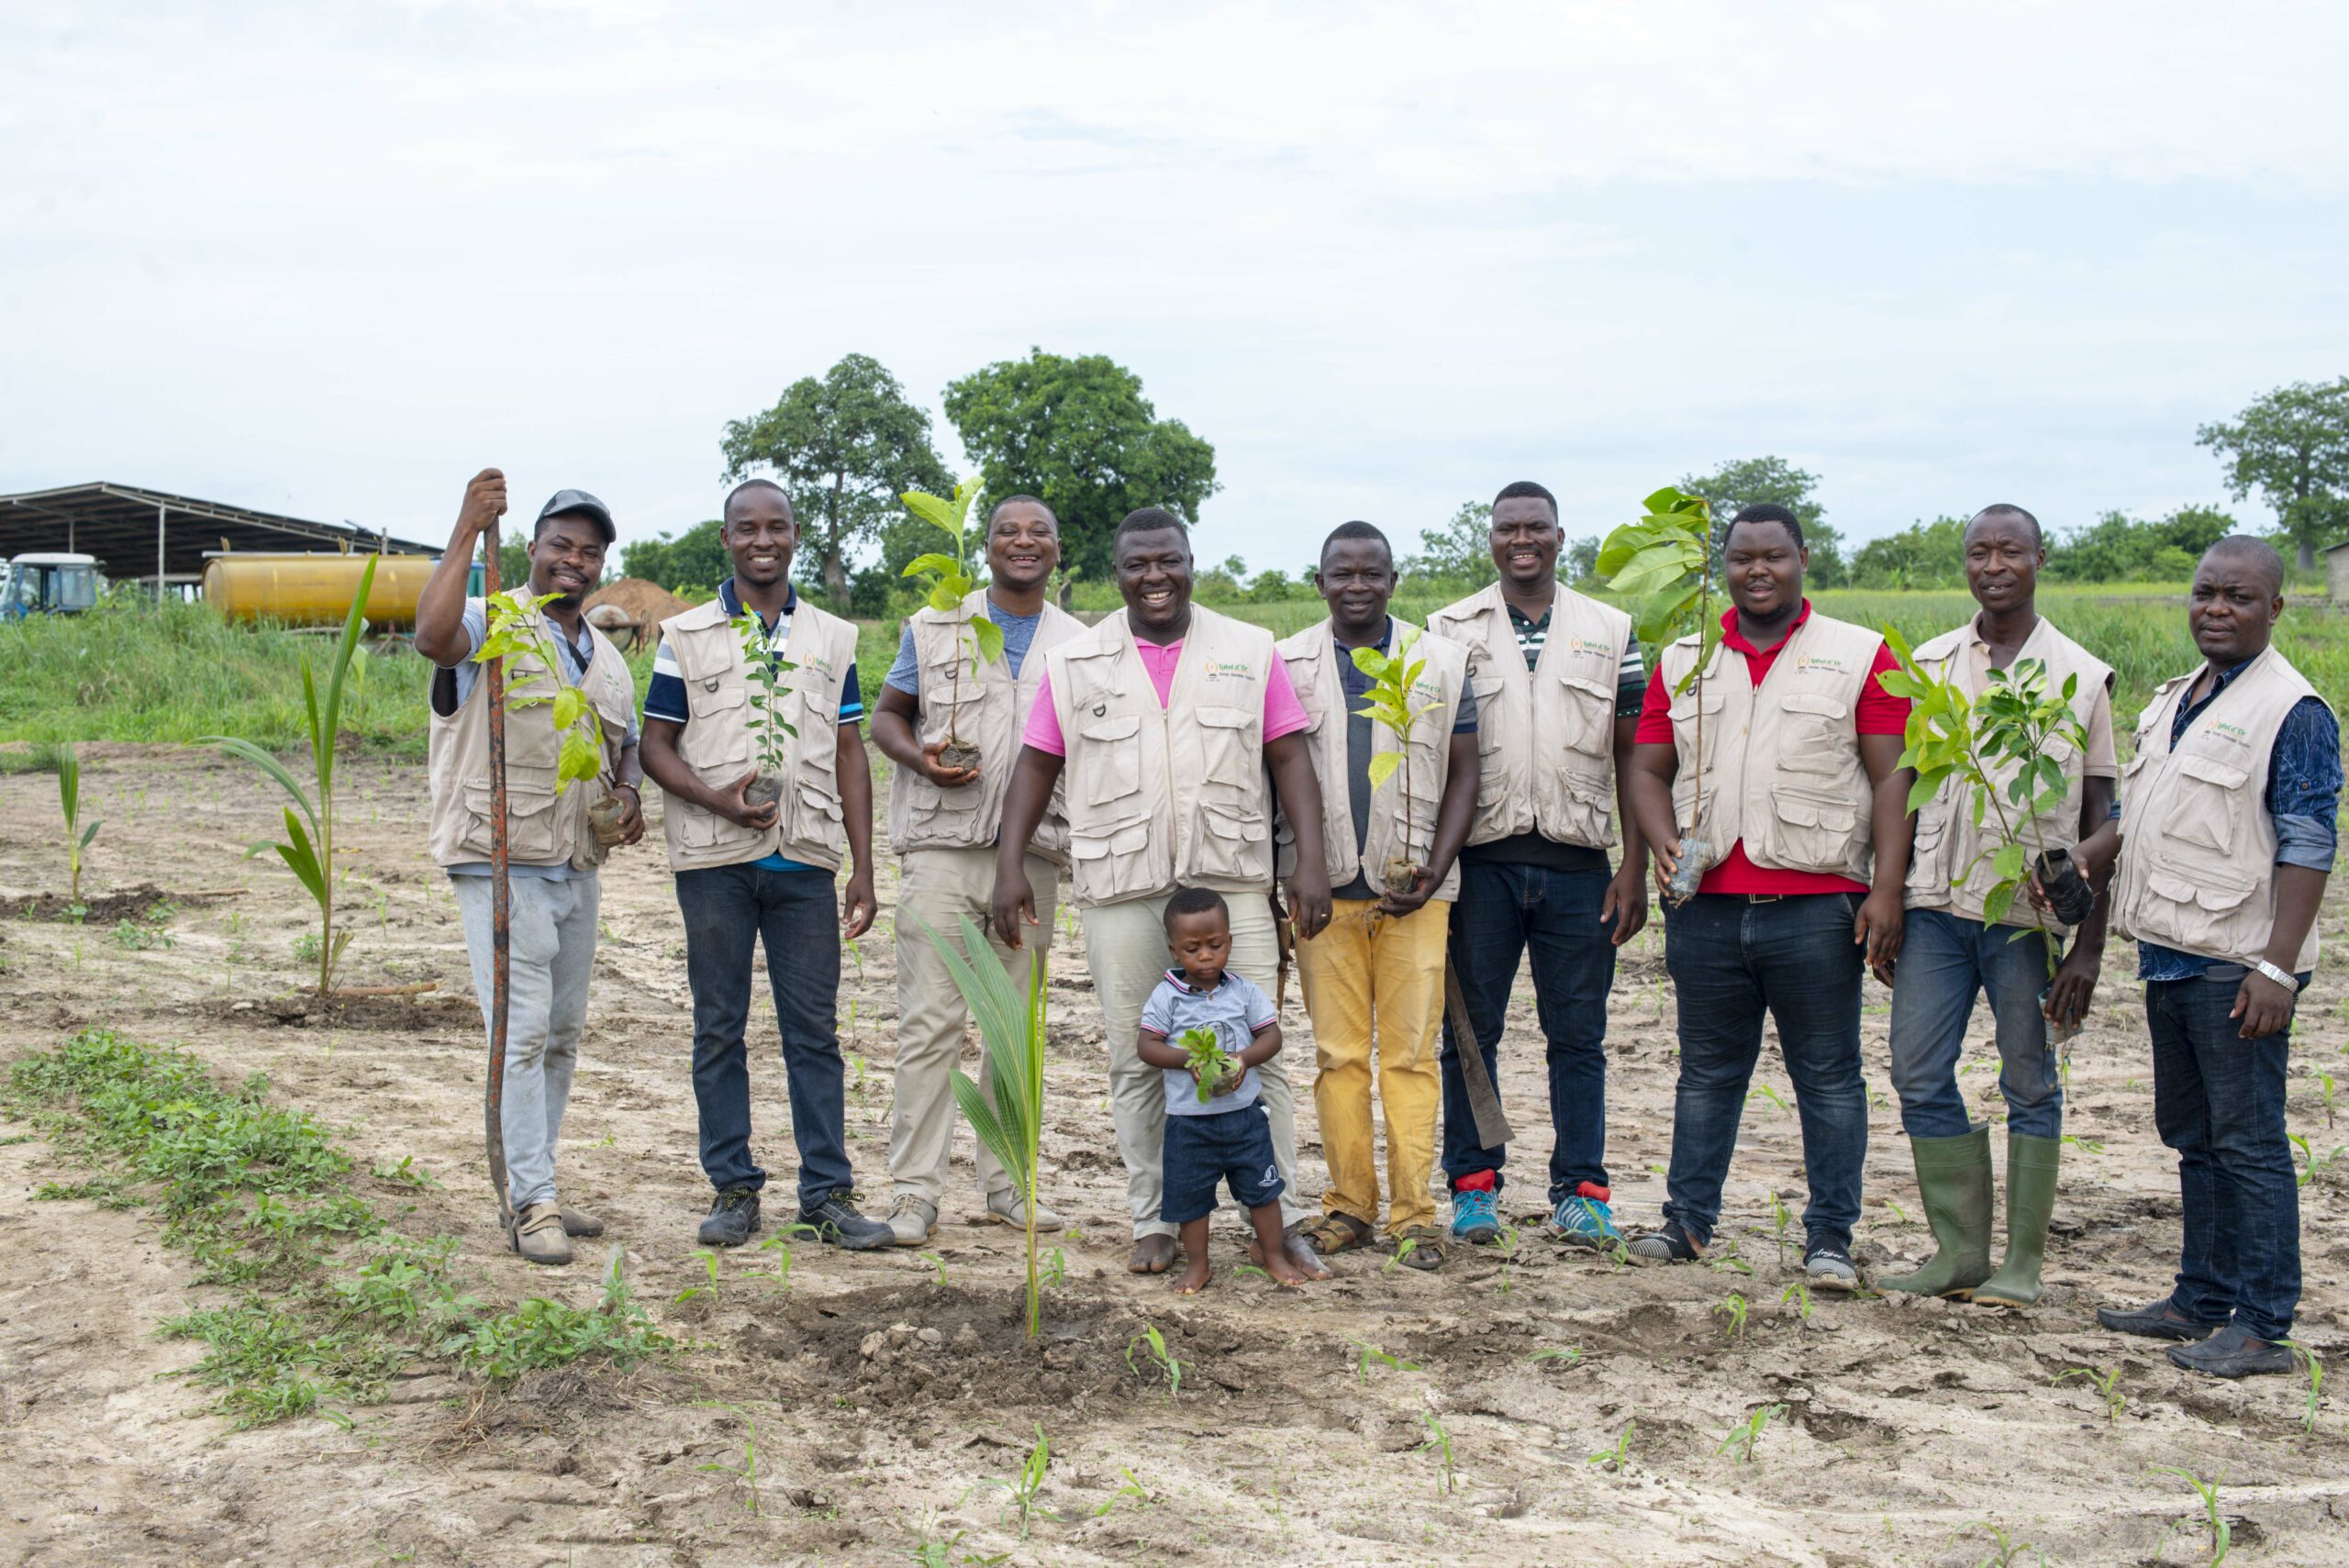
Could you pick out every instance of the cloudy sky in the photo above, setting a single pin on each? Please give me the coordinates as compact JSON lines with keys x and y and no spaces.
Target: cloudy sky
{"x":329,"y":259}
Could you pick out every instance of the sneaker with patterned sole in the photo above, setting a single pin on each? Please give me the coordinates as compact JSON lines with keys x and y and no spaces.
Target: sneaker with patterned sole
{"x":1475,"y":1218}
{"x":1584,"y":1220}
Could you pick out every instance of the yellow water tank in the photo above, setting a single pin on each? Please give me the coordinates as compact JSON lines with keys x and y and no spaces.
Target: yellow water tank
{"x":314,"y":590}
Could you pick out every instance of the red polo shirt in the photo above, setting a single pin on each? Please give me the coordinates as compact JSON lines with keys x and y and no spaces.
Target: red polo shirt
{"x":1878,"y":712}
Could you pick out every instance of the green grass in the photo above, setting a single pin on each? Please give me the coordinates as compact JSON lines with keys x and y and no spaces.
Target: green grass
{"x":330,"y":1303}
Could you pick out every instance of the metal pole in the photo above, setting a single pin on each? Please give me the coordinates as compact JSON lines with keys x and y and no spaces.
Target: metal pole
{"x":500,"y":910}
{"x":159,"y":511}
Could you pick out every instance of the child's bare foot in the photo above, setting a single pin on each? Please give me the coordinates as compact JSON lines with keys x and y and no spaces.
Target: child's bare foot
{"x":1285,"y":1273}
{"x":1195,"y":1275}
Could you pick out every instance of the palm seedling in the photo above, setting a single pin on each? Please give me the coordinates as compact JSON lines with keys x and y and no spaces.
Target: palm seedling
{"x":746,"y":1474}
{"x":2306,"y":1360}
{"x":78,"y":837}
{"x":1995,"y":748}
{"x":1394,"y":682}
{"x":1365,"y":1354}
{"x":1744,"y":1436}
{"x":1438,"y":1443}
{"x":308,"y":849}
{"x":1028,"y":1486}
{"x":2106,"y":1382}
{"x":1616,"y":1458}
{"x":1666,"y":561}
{"x":1008,"y":1113}
{"x":1731,"y":1313}
{"x":949,"y":580}
{"x":1159,"y":1356}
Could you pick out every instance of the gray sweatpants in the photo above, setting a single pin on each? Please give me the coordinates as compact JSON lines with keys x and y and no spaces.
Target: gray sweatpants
{"x":551,"y":952}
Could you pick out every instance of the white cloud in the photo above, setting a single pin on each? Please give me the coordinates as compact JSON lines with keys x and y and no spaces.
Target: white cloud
{"x":1386,"y":257}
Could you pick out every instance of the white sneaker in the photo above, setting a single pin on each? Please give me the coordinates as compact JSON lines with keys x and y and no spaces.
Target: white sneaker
{"x":1005,"y":1209}
{"x":911,"y":1220}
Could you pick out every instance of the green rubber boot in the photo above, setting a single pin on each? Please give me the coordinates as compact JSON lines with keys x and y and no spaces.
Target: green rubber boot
{"x":1953,"y":1177}
{"x":2030,"y":1204}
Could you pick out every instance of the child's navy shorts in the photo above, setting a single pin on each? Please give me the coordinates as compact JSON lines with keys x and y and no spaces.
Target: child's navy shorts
{"x":1229,"y":1146}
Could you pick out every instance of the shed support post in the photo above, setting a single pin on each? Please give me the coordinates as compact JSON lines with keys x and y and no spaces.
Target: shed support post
{"x":159,"y":512}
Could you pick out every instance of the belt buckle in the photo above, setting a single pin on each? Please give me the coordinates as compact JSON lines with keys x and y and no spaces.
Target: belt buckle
{"x":1763,"y":897}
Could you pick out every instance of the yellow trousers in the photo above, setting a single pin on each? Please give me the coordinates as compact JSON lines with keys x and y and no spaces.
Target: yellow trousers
{"x":1369,"y":979}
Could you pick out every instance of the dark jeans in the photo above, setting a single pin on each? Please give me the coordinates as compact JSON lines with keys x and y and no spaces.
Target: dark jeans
{"x":1730,"y":961}
{"x":1503,"y":909}
{"x":793,"y":913}
{"x":2218,"y":1101}
{"x":1946,"y":960}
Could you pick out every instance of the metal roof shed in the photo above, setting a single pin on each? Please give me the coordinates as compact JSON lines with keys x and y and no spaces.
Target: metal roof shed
{"x":142,"y":535}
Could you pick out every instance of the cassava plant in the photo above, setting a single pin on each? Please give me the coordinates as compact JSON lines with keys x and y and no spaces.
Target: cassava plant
{"x":1008,"y":1113}
{"x":764,"y":669}
{"x":1994,"y":748}
{"x":950,"y":579}
{"x":309,"y":846}
{"x":1208,"y":1063}
{"x":1388,"y":704}
{"x":1665,"y":562}
{"x":78,"y":837}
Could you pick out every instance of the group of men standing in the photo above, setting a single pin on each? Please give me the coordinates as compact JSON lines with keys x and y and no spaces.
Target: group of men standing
{"x":1171,"y":747}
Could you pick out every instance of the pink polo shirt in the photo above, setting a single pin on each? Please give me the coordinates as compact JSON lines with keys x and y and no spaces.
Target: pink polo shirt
{"x":1284,"y":715}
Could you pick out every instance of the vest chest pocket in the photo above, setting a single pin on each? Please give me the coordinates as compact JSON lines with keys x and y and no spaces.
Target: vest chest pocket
{"x":1110,"y":861}
{"x":1231,"y":843}
{"x":530,"y":815}
{"x":1589,"y":716}
{"x":1818,"y":735}
{"x":1109,"y":762}
{"x":717,"y":737}
{"x":1225,"y":734}
{"x":2209,"y":798}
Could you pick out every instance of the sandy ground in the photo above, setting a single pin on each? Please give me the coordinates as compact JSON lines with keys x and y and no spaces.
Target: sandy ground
{"x":885,"y":1398}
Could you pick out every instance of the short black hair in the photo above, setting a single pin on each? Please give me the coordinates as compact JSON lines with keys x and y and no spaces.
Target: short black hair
{"x":995,"y":510}
{"x":1526,"y":490}
{"x":1357,"y":529}
{"x":1764,"y":511}
{"x":762,"y":483}
{"x":2259,"y":551}
{"x":1195,"y":901}
{"x":2009,"y":510}
{"x":1148,"y":520}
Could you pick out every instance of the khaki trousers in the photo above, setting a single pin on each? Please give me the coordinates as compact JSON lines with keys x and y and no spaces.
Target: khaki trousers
{"x":938,"y":887}
{"x":1368,"y":978}
{"x":1126,"y":948}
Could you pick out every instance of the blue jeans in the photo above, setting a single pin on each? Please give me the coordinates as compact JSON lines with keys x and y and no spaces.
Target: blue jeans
{"x":1503,"y":909}
{"x":2218,"y":1101}
{"x":1944,"y":960}
{"x":1729,"y":960}
{"x":728,"y":909}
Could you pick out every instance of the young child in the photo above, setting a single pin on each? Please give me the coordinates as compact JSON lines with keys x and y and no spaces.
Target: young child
{"x":1216,"y":1131}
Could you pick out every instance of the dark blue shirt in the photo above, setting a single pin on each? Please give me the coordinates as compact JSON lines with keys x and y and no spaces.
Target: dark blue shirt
{"x":2303,"y":796}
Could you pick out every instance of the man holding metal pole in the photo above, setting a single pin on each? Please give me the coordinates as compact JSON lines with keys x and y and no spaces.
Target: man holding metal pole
{"x":529,"y":922}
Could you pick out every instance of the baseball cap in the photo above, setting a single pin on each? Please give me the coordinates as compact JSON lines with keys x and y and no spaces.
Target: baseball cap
{"x":563,"y":502}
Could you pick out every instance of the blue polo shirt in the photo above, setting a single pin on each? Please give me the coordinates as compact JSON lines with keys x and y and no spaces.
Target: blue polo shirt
{"x":664,"y":695}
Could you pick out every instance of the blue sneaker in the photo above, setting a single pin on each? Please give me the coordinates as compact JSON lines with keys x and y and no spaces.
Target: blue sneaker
{"x":1475,"y":1218}
{"x":1584,"y":1220}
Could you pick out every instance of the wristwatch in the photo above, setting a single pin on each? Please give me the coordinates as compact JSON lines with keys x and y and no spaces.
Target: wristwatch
{"x":2281,"y":977}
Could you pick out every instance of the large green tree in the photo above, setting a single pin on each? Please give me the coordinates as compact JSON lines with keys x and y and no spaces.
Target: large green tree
{"x":1750,"y":480}
{"x":843,"y":447}
{"x":1079,"y":435}
{"x":1460,"y":551}
{"x":2292,"y":446}
{"x":695,"y":559}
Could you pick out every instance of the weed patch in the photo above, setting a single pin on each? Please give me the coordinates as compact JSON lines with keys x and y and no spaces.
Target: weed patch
{"x":332,"y":1303}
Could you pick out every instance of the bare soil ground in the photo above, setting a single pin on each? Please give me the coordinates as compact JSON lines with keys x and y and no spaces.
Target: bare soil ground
{"x":886,"y":1391}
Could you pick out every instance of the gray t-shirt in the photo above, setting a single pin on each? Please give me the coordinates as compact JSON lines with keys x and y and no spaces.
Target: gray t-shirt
{"x":1235,"y":1009}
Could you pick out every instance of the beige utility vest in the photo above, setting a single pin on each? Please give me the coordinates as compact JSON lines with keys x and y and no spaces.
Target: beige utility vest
{"x":989,"y":710}
{"x":1164,"y":797}
{"x":542,"y":828}
{"x":1781,"y":762}
{"x":717,"y":742}
{"x":1947,"y":843}
{"x":1314,"y":670}
{"x":2197,"y":848}
{"x":1545,"y":737}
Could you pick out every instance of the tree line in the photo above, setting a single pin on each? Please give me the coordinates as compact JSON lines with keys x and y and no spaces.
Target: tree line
{"x":1078,"y":433}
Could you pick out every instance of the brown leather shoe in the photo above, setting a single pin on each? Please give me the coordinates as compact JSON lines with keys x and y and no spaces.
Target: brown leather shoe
{"x":537,"y":1235}
{"x":579,"y":1222}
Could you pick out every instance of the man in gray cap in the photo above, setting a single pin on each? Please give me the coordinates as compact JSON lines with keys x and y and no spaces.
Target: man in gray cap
{"x":553,"y":848}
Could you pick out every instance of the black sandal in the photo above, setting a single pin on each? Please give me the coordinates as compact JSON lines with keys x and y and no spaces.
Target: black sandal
{"x":1335,"y":1232}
